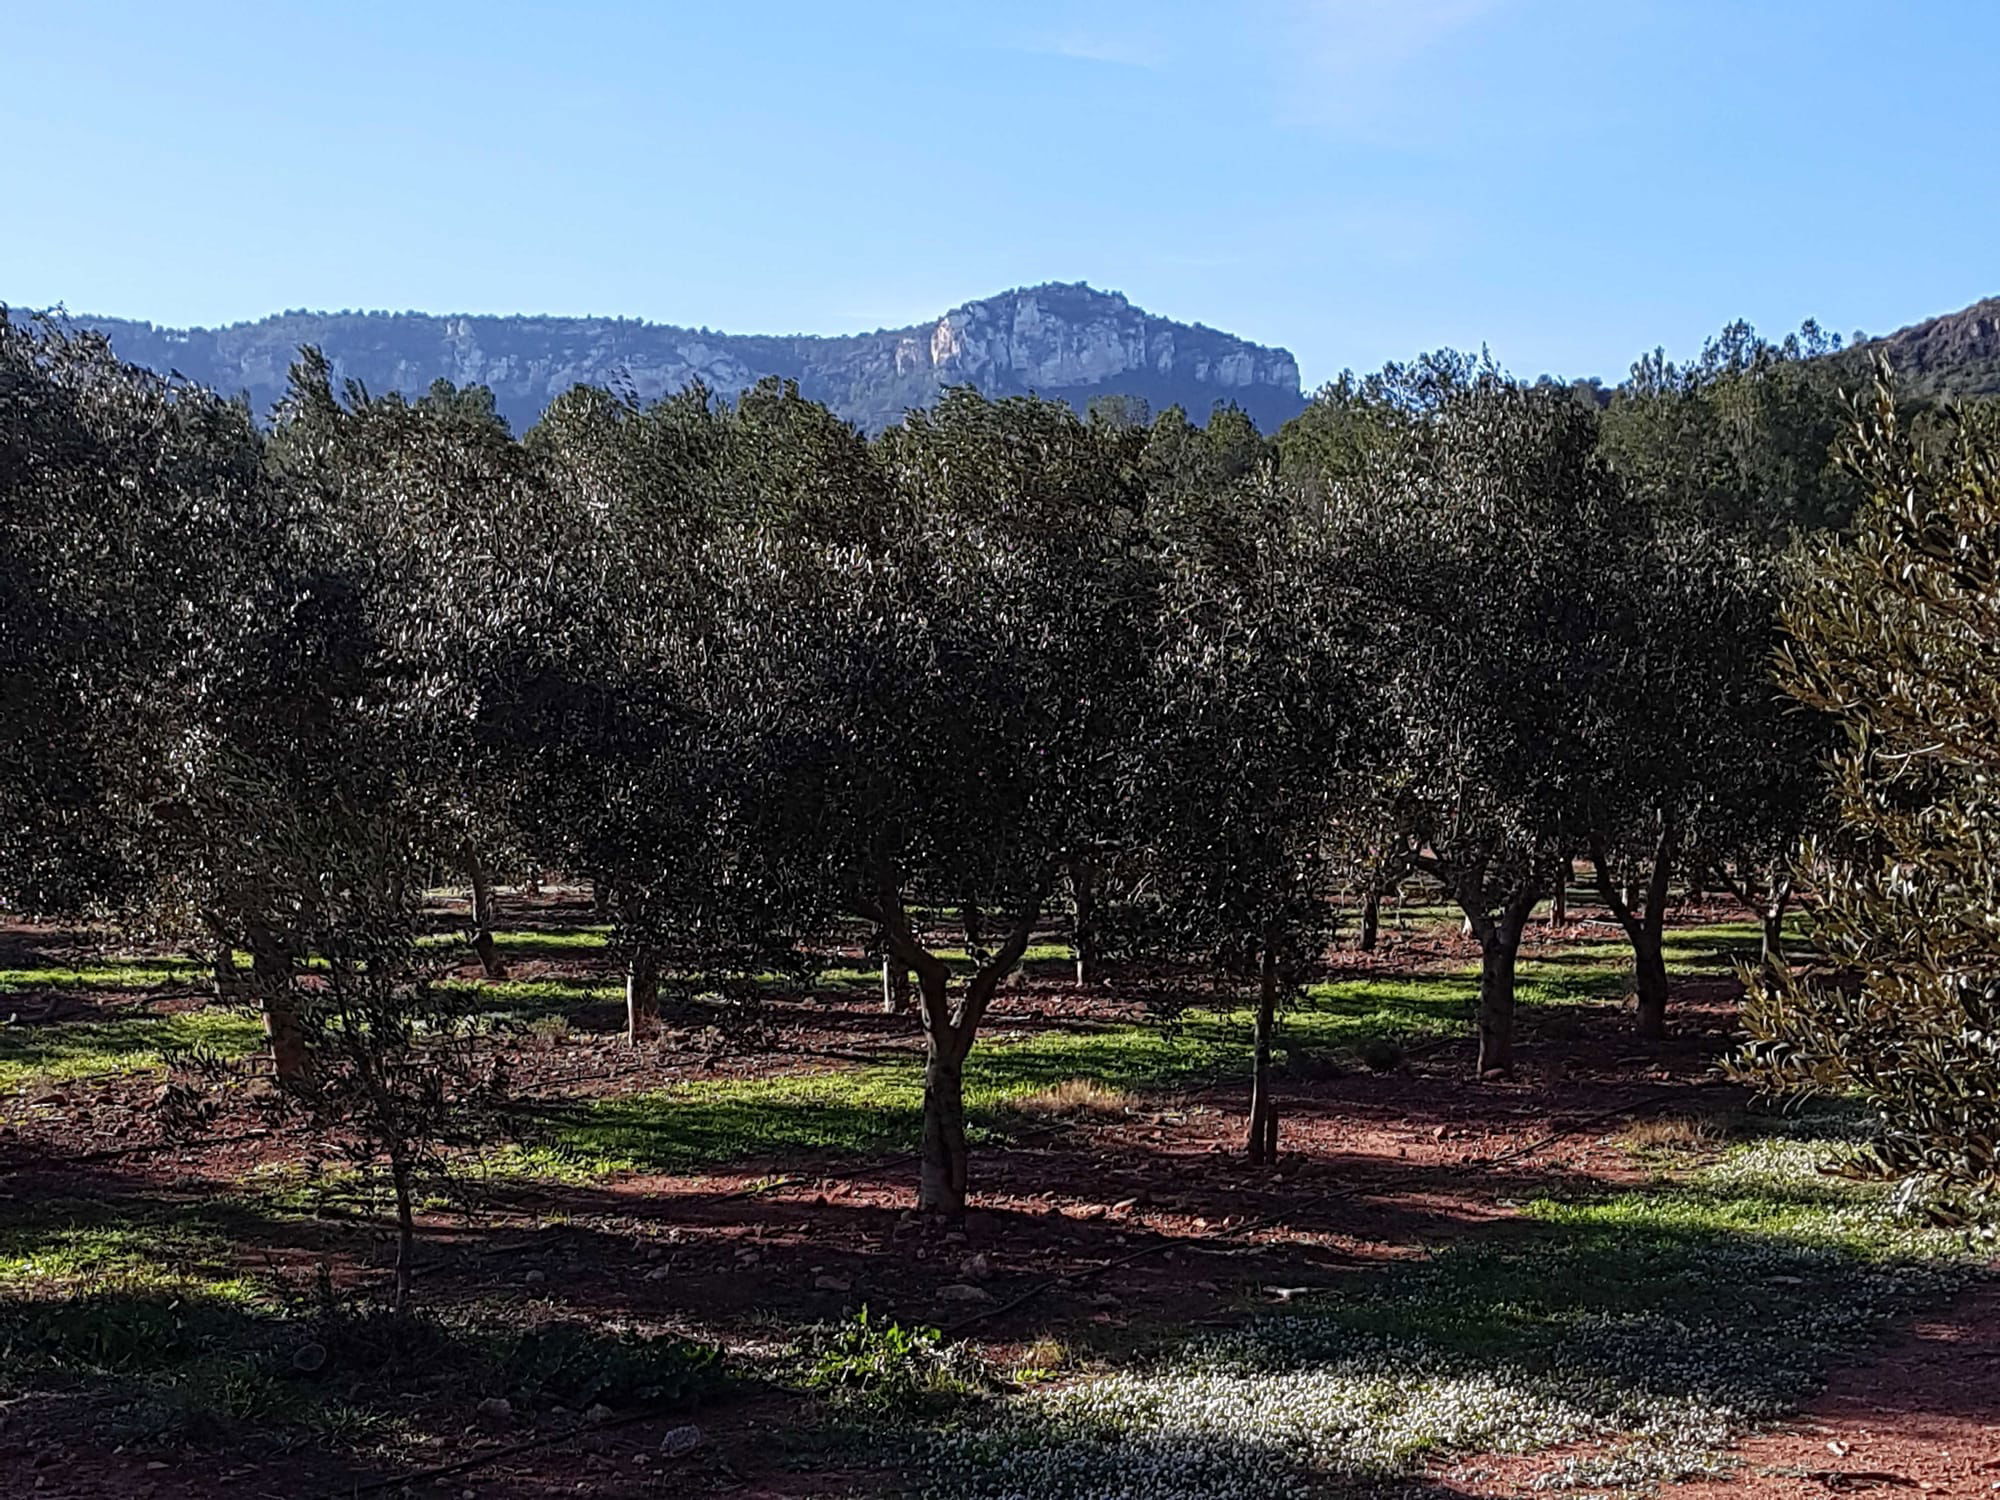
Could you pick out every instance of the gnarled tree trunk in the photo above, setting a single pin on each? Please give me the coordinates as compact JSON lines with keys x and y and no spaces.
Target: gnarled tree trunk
{"x":1769,"y":907}
{"x":949,"y":1031}
{"x":642,"y":996}
{"x":228,"y":979}
{"x":1499,"y":948}
{"x":895,"y":987}
{"x":1496,"y":1001}
{"x":1371,"y":919}
{"x":945,"y":1161}
{"x":272,"y":973}
{"x":1643,"y":917}
{"x":406,"y":1233}
{"x":1773,"y":920}
{"x":482,"y":917}
{"x":1649,"y":985}
{"x":1083,"y":938}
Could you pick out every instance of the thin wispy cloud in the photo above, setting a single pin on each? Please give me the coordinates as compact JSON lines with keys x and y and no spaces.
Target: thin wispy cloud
{"x":1120,"y":49}
{"x":1113,"y":33}
{"x":1354,"y":64}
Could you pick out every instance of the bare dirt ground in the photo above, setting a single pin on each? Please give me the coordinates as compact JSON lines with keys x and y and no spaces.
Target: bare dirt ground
{"x":1923,"y":1417}
{"x":1107,"y":1235}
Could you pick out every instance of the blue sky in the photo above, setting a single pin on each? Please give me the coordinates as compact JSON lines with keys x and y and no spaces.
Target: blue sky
{"x":1570,"y":183}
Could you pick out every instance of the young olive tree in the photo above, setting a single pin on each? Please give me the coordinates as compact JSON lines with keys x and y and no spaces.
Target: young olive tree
{"x":399,"y":1077}
{"x":1896,"y":633}
{"x":1483,"y":533}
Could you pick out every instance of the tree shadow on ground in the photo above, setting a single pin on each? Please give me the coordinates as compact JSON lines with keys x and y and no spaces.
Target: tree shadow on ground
{"x":1669,"y":1301}
{"x":174,"y":1367}
{"x":1636,"y":1322}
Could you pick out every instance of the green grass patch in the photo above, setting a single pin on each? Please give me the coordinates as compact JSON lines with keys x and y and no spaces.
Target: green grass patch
{"x":67,"y":1249}
{"x":131,"y":1044}
{"x":877,"y":1108}
{"x":570,"y":942}
{"x":115,"y":974}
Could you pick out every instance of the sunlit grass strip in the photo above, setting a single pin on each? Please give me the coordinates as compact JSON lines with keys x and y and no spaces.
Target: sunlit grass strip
{"x":877,"y":1107}
{"x":103,"y":974}
{"x":860,"y":1109}
{"x":78,"y":1049}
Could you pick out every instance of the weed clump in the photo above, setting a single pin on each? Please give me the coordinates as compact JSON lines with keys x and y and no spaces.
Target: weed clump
{"x":1073,"y":1099}
{"x":867,"y":1364}
{"x":1675,"y":1134}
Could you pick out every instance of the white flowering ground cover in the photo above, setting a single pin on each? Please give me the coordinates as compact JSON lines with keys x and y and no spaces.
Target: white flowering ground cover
{"x":1660,"y":1324}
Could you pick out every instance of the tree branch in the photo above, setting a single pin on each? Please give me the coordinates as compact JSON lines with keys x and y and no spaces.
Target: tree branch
{"x":979,"y":993}
{"x":1607,"y":888}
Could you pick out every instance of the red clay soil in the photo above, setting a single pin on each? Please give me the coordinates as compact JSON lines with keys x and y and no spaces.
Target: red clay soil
{"x":1377,"y":1166}
{"x":1922,"y":1418}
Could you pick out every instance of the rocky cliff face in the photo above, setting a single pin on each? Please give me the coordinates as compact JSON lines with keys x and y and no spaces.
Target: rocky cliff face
{"x":1065,"y":341}
{"x":1957,"y":354}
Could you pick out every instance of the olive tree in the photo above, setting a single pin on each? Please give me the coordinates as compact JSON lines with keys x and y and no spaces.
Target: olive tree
{"x":1708,"y":772}
{"x":438,"y":501}
{"x":1483,"y":532}
{"x":1896,"y":633}
{"x":145,"y":585}
{"x":134,"y":513}
{"x":1703,"y":765}
{"x":1249,"y":751}
{"x":595,"y":719}
{"x":629,"y":737}
{"x":936,"y":711}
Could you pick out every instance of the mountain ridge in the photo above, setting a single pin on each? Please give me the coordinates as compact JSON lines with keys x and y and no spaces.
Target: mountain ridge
{"x":1065,"y":340}
{"x":1952,"y":354}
